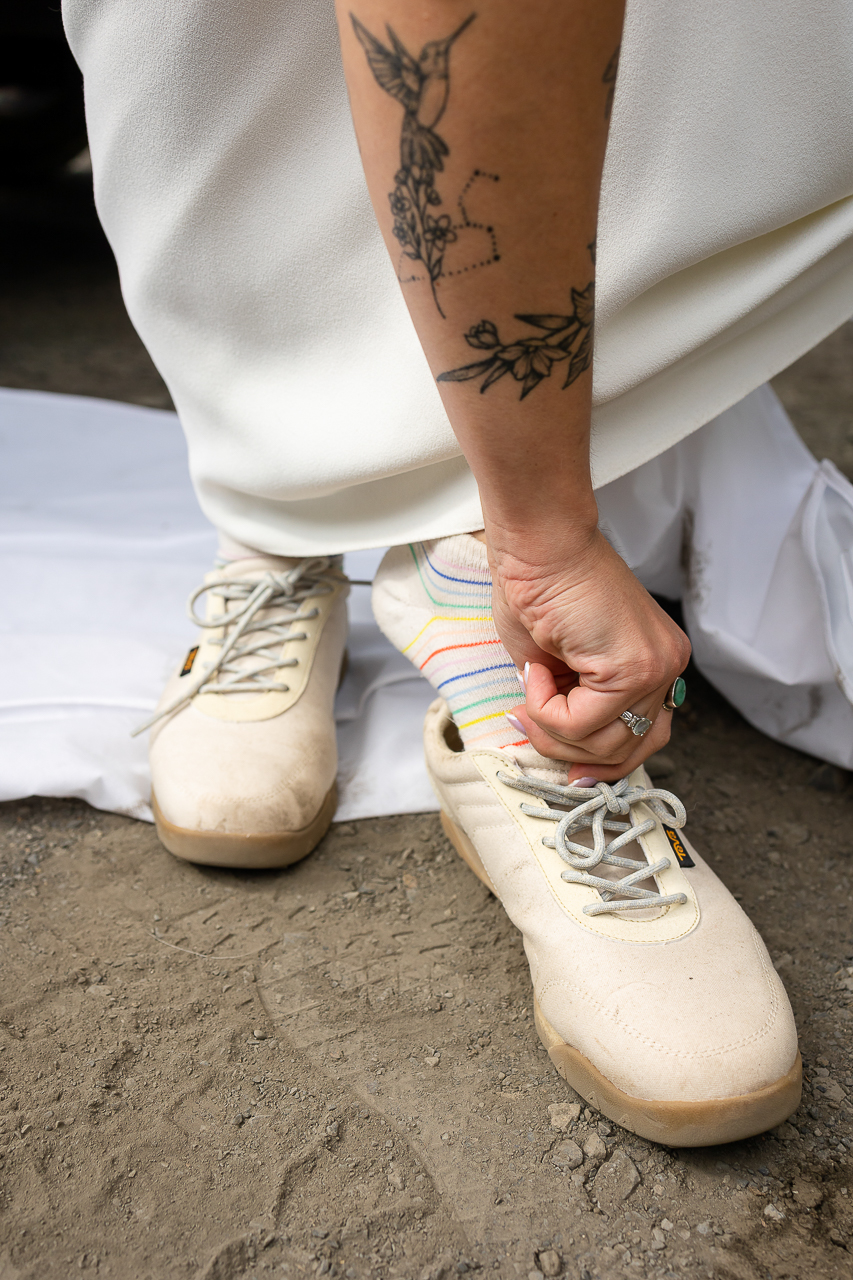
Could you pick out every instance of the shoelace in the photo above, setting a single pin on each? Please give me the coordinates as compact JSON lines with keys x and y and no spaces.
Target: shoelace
{"x":587,"y":811}
{"x":288,"y":591}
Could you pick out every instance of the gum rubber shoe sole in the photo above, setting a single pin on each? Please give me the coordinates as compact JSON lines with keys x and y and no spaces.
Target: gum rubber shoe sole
{"x":252,"y":852}
{"x":675,"y":1124}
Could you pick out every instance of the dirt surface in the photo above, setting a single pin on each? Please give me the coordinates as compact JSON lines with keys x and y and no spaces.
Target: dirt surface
{"x":332,"y":1070}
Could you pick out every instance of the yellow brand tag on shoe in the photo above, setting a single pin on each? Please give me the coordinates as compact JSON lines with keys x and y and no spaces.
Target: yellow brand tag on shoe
{"x":188,"y":661}
{"x":684,"y":858}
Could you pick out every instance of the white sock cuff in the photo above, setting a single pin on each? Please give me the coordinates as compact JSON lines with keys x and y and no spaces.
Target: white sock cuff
{"x":462,"y":549}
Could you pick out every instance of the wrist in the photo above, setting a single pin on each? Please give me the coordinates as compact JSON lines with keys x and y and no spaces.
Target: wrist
{"x":538,"y":539}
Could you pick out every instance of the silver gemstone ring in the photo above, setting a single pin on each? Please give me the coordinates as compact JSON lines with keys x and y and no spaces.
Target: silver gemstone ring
{"x":637,"y":724}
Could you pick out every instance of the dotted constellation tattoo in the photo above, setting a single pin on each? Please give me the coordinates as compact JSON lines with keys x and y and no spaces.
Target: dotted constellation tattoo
{"x":465,"y":224}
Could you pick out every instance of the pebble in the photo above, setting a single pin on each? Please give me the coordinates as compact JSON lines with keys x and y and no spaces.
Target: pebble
{"x":567,"y":1155}
{"x":433,"y":1061}
{"x":827,"y":777}
{"x":658,"y":1238}
{"x":773,"y":1213}
{"x":260,"y":1034}
{"x":594,"y":1147}
{"x":550,"y":1262}
{"x":563,"y":1114}
{"x":808,"y":1194}
{"x":615,"y":1181}
{"x":830,"y":1089}
{"x":666,"y":1224}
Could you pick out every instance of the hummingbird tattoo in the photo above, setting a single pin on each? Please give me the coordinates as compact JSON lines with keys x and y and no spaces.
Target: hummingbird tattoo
{"x":421,"y":86}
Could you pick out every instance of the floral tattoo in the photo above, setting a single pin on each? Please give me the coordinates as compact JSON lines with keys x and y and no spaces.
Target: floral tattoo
{"x":421,"y":86}
{"x":530,"y":359}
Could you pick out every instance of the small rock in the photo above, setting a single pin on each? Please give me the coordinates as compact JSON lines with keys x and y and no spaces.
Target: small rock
{"x":260,"y":1034}
{"x":658,"y":1238}
{"x":773,"y":1213}
{"x":563,"y":1114}
{"x":615,"y":1181}
{"x":594,"y":1147}
{"x":792,"y":832}
{"x":807,"y":1194}
{"x":333,"y":1129}
{"x":832,"y":1090}
{"x":786,"y":1132}
{"x":319,"y":1233}
{"x":827,"y":777}
{"x":704,"y":1228}
{"x":785,"y":961}
{"x":567,"y":1155}
{"x":550,"y":1262}
{"x":437,"y":1270}
{"x":666,"y":1224}
{"x":433,"y":1061}
{"x":837,"y":1238}
{"x":535,"y":1275}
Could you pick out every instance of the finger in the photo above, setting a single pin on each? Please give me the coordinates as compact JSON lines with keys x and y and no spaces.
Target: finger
{"x":583,"y":715}
{"x":624,"y":746}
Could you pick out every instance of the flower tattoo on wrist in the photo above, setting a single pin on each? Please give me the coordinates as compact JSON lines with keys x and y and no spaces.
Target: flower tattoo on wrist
{"x":531,"y":359}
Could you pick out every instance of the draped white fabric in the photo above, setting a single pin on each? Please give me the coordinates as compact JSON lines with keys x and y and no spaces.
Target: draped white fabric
{"x":101,"y":540}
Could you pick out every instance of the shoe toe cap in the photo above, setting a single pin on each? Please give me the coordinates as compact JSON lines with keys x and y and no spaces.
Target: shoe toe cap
{"x":683,"y":1035}
{"x":242,"y":779}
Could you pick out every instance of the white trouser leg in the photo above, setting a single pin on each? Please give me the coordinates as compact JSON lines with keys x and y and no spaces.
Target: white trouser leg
{"x":741,"y":522}
{"x":228,"y":180}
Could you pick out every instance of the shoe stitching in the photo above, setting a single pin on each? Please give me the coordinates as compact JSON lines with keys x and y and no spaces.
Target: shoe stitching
{"x":759,"y":1034}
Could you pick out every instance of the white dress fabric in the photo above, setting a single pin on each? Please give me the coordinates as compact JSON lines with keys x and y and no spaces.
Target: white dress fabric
{"x":101,"y":541}
{"x":228,"y":180}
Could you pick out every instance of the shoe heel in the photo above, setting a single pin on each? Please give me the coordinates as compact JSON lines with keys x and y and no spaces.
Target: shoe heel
{"x":466,"y":851}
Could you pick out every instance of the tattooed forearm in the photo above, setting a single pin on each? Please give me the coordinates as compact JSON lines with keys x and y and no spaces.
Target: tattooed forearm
{"x":421,"y":86}
{"x":530,"y":359}
{"x":609,"y":78}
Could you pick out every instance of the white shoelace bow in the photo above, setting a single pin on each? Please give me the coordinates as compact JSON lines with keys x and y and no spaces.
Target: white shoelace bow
{"x":287,"y":591}
{"x":587,"y":811}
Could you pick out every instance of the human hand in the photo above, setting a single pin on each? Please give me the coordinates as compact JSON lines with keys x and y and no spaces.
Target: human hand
{"x":596,"y":643}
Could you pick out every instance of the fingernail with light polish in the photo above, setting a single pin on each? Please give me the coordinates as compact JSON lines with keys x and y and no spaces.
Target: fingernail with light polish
{"x":588,"y":783}
{"x":516,"y":724}
{"x":526,"y":675}
{"x":521,"y":679}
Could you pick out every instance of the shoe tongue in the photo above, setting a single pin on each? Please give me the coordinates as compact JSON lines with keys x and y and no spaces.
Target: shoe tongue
{"x":254,"y":566}
{"x":535,"y":766}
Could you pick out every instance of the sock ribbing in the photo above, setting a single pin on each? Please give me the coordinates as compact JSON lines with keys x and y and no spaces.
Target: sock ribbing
{"x":433,"y":602}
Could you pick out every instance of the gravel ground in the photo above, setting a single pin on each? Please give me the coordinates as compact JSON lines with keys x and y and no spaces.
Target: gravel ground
{"x":332,"y":1070}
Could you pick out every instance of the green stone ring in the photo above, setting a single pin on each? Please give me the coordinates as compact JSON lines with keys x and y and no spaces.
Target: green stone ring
{"x":676,"y":695}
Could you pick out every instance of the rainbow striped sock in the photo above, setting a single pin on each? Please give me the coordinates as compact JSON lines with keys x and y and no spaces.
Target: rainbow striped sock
{"x":433,"y":600}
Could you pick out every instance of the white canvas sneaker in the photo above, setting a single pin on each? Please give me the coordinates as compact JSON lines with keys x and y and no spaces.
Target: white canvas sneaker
{"x":243,"y":752}
{"x":653,"y":993}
